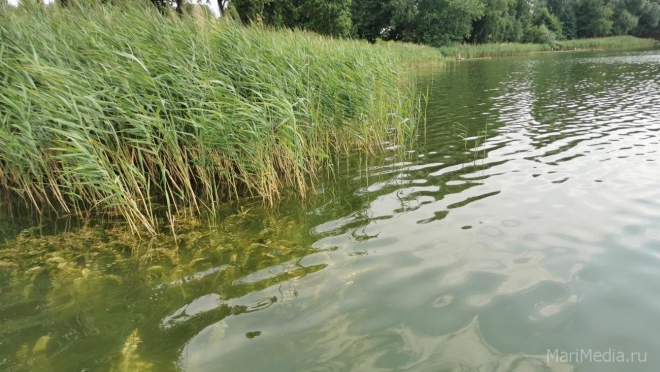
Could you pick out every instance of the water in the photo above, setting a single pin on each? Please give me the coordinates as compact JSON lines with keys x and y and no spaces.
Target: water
{"x":528,"y":230}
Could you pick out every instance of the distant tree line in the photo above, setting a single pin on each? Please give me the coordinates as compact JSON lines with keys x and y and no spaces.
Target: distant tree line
{"x":444,"y":22}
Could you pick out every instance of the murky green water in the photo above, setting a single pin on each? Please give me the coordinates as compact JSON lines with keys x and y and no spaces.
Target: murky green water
{"x":534,"y":225}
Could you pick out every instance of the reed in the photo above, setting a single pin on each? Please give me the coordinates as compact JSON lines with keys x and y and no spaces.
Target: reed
{"x":615,"y":42}
{"x":121,"y":109}
{"x":491,"y":50}
{"x":513,"y":49}
{"x":412,"y":55}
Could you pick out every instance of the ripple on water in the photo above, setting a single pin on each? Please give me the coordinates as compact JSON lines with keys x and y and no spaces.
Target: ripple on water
{"x":538,"y":228}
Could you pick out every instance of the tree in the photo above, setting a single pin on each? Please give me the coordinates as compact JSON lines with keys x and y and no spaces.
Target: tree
{"x":624,"y":22}
{"x":498,"y":22}
{"x":404,"y":14}
{"x":594,"y":19}
{"x":282,"y":13}
{"x":566,"y":12}
{"x":540,"y":35}
{"x":370,"y":18}
{"x":544,"y":17}
{"x":328,"y":17}
{"x":249,"y":10}
{"x":649,"y":17}
{"x":443,"y":22}
{"x":517,"y":19}
{"x":276,"y":13}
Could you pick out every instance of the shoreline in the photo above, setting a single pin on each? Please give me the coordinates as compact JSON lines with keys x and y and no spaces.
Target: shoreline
{"x":515,"y":49}
{"x":522,"y":54}
{"x":419,"y":56}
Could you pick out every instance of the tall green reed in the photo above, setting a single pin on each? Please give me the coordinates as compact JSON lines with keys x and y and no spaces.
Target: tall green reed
{"x":121,"y":109}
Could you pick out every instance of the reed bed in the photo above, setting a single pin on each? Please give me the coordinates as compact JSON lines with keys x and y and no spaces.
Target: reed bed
{"x":413,"y":55}
{"x":515,"y":49}
{"x":615,"y":42}
{"x":492,"y":50}
{"x":120,"y":109}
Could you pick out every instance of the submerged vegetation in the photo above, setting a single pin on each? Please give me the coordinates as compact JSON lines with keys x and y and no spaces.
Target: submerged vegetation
{"x":111,"y":299}
{"x":121,"y":109}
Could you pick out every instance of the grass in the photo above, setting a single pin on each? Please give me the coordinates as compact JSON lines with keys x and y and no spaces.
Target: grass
{"x":515,"y":49}
{"x":122,"y":110}
{"x":616,"y":42}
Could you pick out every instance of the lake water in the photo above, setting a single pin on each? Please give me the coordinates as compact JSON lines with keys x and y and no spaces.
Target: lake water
{"x":524,"y":226}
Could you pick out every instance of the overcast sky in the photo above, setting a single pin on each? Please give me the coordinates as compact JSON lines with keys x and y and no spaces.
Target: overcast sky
{"x":213,"y":5}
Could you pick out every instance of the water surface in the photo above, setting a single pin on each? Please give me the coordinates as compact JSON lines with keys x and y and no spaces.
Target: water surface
{"x":527,"y":219}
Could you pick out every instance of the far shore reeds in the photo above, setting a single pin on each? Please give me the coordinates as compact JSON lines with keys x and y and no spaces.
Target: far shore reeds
{"x":516,"y":49}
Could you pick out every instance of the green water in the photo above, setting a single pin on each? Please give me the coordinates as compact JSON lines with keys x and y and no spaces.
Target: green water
{"x":534,"y":225}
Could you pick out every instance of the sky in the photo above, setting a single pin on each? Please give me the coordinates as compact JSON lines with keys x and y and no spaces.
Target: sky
{"x":213,"y":4}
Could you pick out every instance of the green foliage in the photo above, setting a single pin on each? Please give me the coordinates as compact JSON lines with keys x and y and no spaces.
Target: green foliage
{"x":594,"y":19}
{"x":250,"y":10}
{"x":569,"y":22}
{"x":565,"y":12}
{"x":498,"y":23}
{"x":540,"y":35}
{"x":624,"y":22}
{"x":325,"y":17}
{"x":370,"y":18}
{"x":278,"y":13}
{"x":648,"y":18}
{"x":443,"y":22}
{"x":446,"y":22}
{"x":281,"y":13}
{"x":549,"y":20}
{"x":404,"y":14}
{"x":127,"y":111}
{"x":328,"y":17}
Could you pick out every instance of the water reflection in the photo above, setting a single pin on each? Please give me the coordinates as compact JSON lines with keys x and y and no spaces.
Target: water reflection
{"x":483,"y":253}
